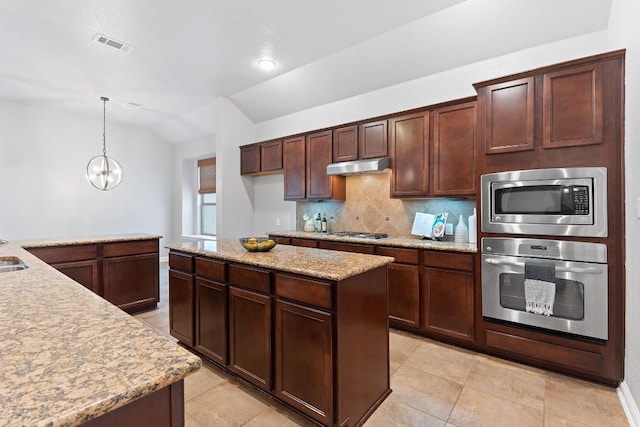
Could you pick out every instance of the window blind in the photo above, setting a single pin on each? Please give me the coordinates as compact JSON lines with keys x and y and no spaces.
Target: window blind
{"x":207,"y":168}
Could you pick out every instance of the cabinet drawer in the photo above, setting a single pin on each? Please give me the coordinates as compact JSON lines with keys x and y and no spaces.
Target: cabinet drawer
{"x":130,"y":248}
{"x":304,"y":290}
{"x":402,"y":256}
{"x":210,"y":269}
{"x":347,"y":247}
{"x":307,"y":243}
{"x":181,"y":262}
{"x":62,"y":254}
{"x":250,"y":278}
{"x":448,"y":260}
{"x":281,"y":240}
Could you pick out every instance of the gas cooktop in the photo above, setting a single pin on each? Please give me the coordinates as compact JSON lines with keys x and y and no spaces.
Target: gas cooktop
{"x":359,"y":234}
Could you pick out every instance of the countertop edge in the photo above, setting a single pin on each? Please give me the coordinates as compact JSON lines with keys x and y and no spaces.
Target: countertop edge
{"x":72,"y":241}
{"x":400,"y":242}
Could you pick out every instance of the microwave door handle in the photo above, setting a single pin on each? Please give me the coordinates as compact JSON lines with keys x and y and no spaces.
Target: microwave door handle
{"x":584,"y":270}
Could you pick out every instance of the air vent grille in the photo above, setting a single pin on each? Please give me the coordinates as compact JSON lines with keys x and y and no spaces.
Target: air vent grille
{"x":108,"y":41}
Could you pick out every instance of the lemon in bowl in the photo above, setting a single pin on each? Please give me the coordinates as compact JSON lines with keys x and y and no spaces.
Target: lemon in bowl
{"x":257,"y":244}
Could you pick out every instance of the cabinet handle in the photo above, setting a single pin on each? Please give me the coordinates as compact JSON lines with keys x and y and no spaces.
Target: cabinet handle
{"x":584,"y":270}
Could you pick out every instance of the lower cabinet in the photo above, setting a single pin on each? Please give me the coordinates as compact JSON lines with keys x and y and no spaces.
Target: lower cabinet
{"x":125,"y":273}
{"x":404,"y":286}
{"x":303,"y":359}
{"x":250,"y":336}
{"x":181,"y":306}
{"x":447,"y":294}
{"x":211,"y":320}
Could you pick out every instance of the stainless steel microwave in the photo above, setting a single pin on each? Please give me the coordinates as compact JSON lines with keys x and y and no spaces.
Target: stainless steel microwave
{"x":555,"y":202}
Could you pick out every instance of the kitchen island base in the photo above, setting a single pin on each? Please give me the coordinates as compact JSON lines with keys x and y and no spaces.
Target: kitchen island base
{"x":317,"y":342}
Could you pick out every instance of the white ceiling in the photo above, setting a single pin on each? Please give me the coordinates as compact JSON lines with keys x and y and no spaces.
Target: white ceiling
{"x":189,"y":52}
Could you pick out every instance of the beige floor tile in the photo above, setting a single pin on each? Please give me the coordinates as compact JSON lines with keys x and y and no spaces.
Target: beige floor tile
{"x":401,"y":345}
{"x":190,"y":422}
{"x":202,"y":380}
{"x":515,"y":384}
{"x":224,"y":405}
{"x":425,"y":392}
{"x":395,"y":413}
{"x":443,"y":361}
{"x":582,"y":401}
{"x":278,"y":418}
{"x":551,"y":420}
{"x":475,"y":408}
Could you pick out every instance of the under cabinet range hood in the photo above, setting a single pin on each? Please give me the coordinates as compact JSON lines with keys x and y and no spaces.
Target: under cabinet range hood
{"x":359,"y":166}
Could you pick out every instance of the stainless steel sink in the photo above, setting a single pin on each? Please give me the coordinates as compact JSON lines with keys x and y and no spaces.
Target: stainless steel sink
{"x":11,"y":263}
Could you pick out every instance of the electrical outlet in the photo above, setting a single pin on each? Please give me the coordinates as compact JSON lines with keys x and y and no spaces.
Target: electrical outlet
{"x":277,"y":222}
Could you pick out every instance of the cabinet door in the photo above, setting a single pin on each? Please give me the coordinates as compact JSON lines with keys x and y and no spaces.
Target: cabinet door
{"x":131,"y":282}
{"x":573,"y":107}
{"x":454,"y":131}
{"x":294,"y":158}
{"x":211,"y":320}
{"x":319,"y":155}
{"x":345,"y":144}
{"x":410,"y":155}
{"x":510,"y":113}
{"x":447,"y":298}
{"x":83,"y":272}
{"x":303,"y":360}
{"x":250,"y":336}
{"x":404,"y":294}
{"x":271,"y":156}
{"x":181,"y":306}
{"x":249,"y":159}
{"x":346,"y":247}
{"x":373,"y":140}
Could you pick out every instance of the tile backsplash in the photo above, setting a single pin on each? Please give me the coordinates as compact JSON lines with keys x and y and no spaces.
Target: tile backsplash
{"x":369,"y":208}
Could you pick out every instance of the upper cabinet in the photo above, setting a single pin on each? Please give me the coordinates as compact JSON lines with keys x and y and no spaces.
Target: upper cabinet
{"x":572,"y":107}
{"x":345,"y":144}
{"x":319,"y":155}
{"x":373,"y":140}
{"x":261,"y":159}
{"x":409,"y":136}
{"x":295,"y":173}
{"x":454,"y":129}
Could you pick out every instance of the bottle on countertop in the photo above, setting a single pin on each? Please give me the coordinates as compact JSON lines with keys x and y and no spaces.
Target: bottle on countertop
{"x":461,"y":234}
{"x":472,"y":227}
{"x":318,"y":223}
{"x":324,"y":227}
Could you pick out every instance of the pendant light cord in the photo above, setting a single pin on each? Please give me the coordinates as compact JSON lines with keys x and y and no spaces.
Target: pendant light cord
{"x":104,"y":125}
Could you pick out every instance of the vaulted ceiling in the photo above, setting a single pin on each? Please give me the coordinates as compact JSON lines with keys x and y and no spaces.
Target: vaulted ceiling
{"x":189,"y":52}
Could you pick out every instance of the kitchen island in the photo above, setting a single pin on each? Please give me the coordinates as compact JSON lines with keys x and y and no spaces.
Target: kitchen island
{"x":69,"y":357}
{"x":308,"y":326}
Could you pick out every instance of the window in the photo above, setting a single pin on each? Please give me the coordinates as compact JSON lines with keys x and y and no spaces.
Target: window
{"x":207,"y":195}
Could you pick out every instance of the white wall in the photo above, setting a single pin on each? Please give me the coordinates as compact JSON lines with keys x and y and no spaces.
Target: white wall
{"x":43,"y":189}
{"x":235,"y":193}
{"x":625,"y":33}
{"x":269,"y":197}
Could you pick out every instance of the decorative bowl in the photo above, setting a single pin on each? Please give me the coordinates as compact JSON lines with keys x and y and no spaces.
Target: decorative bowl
{"x":257,"y":244}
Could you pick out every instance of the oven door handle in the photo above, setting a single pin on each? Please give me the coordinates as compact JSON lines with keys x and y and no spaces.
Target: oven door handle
{"x":586,"y":270}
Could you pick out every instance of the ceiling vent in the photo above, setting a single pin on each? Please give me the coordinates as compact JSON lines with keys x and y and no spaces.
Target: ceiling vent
{"x":108,"y":41}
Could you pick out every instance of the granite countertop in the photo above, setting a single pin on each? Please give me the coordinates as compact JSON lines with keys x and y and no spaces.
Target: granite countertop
{"x":85,"y":240}
{"x":401,"y":242}
{"x":68,"y":355}
{"x":319,"y":263}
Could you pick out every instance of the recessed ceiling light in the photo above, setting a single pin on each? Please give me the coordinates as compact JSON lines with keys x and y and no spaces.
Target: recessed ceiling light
{"x":267,"y":64}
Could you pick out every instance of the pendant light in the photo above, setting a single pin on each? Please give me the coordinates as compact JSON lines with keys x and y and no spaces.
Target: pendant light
{"x":103,"y":172}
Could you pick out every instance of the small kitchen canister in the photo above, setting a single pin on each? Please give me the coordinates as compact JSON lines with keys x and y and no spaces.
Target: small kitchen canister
{"x":472,"y":228}
{"x":461,"y":234}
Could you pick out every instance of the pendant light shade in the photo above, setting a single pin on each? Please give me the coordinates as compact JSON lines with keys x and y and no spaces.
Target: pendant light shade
{"x":103,"y":172}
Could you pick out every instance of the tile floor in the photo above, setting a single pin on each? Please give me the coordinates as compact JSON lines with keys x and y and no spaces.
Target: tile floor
{"x":433,"y":385}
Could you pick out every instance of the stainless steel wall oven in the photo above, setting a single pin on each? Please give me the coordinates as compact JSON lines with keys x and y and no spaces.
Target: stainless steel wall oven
{"x":549,"y":284}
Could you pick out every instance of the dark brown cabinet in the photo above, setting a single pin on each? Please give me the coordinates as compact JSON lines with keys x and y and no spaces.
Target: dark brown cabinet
{"x":573,"y":107}
{"x":181,"y":306}
{"x":454,"y":165}
{"x":404,"y":286}
{"x":250,"y":159}
{"x":211,"y":328}
{"x":346,"y":247}
{"x":509,"y":116}
{"x":345,"y":144}
{"x":447,"y":294}
{"x":303,"y":359}
{"x":250,"y":336}
{"x":373,"y":140}
{"x":295,"y":170}
{"x":261,"y":159}
{"x":409,"y":137}
{"x":321,"y":186}
{"x":125,"y":273}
